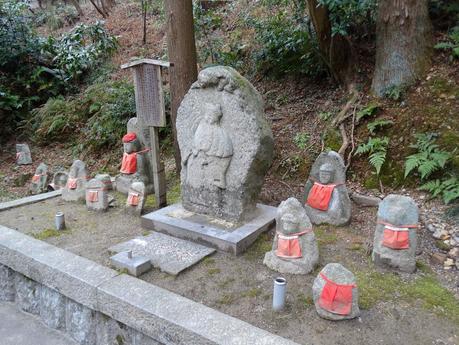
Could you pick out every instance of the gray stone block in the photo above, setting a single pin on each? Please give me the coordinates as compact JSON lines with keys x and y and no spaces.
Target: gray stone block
{"x":172,"y":319}
{"x":141,"y":339}
{"x":135,"y":265}
{"x":28,"y":200}
{"x":23,"y":155}
{"x":81,"y":323}
{"x":7,"y":292}
{"x":52,"y":308}
{"x":112,"y":332}
{"x":27,"y":294}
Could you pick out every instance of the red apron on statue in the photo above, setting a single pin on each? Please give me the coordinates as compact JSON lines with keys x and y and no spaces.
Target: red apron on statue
{"x":336,"y":298}
{"x":72,"y":183}
{"x":396,"y":237}
{"x":320,"y":195}
{"x":133,"y":199}
{"x":288,"y":246}
{"x":129,"y":163}
{"x":36,"y":178}
{"x":93,"y":195}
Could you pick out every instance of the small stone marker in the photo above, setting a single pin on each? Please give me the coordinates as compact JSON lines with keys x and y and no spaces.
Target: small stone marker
{"x":335,"y":293}
{"x":59,"y":180}
{"x":96,"y":195}
{"x":106,"y":180}
{"x":136,"y":198}
{"x":23,"y":155}
{"x":39,"y":179}
{"x":169,"y":254}
{"x":75,"y":188}
{"x":135,"y":265}
{"x":295,"y":247}
{"x":326,"y":198}
{"x":395,"y":240}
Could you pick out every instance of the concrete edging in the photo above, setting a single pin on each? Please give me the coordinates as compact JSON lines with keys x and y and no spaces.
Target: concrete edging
{"x":163,"y":316}
{"x":29,"y":200}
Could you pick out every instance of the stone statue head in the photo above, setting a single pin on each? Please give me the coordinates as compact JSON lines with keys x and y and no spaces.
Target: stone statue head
{"x":326,"y":173}
{"x":131,"y":143}
{"x":290,"y":223}
{"x":213,"y":113}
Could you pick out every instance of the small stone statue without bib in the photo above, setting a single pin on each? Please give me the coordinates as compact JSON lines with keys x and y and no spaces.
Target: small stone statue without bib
{"x":326,"y":198}
{"x":23,"y":155}
{"x":395,"y":240}
{"x":295,"y":247}
{"x":75,"y":189}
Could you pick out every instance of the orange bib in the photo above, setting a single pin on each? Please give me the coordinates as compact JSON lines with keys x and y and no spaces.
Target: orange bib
{"x":129,"y":163}
{"x":336,"y":298}
{"x":133,"y":199}
{"x":320,"y":195}
{"x":36,"y":178}
{"x":93,"y":195}
{"x":395,"y":237}
{"x":288,"y":246}
{"x":72,"y":183}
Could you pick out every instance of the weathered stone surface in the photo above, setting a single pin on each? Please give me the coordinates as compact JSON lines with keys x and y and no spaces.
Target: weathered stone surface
{"x":106,"y":180}
{"x":226,"y":145}
{"x":307,"y":242}
{"x":339,"y":275}
{"x":112,"y":332}
{"x":7,"y":292}
{"x":27,"y":294}
{"x":329,"y":169}
{"x":397,"y":211}
{"x":170,"y":254}
{"x":136,"y":148}
{"x":40,"y":179}
{"x":59,"y":180}
{"x":81,"y":323}
{"x":75,"y":189}
{"x":141,"y":339}
{"x":365,"y":200}
{"x":28,"y":200}
{"x":23,"y":155}
{"x":135,"y":265}
{"x":52,"y":308}
{"x":136,"y":198}
{"x":96,"y":196}
{"x":172,"y":319}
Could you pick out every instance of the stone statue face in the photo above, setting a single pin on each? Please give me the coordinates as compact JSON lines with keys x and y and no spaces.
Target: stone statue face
{"x":213,"y":113}
{"x":131,"y":147}
{"x":290,"y":224}
{"x":326,"y":174}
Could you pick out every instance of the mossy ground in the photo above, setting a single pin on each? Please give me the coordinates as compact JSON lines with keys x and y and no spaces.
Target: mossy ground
{"x":47,"y":233}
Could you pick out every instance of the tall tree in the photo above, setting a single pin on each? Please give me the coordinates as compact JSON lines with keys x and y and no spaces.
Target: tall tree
{"x":182,"y":55}
{"x":403,"y":43}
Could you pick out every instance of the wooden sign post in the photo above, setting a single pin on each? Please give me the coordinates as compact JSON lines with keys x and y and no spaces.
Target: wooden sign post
{"x":149,"y":101}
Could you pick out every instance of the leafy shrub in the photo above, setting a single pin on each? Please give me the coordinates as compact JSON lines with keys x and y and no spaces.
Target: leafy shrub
{"x":447,"y":188}
{"x":452,"y":44}
{"x":379,"y":123}
{"x":301,"y":140}
{"x":376,"y":148}
{"x":369,"y":110}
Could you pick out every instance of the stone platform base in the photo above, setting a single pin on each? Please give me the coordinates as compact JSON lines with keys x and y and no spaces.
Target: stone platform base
{"x":174,"y":220}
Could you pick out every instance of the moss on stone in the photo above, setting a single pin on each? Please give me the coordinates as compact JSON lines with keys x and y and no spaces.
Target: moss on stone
{"x":332,"y":140}
{"x":47,"y":233}
{"x":442,"y":245}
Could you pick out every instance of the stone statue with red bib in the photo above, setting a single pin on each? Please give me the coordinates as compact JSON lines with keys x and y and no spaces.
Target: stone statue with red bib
{"x":326,"y":198}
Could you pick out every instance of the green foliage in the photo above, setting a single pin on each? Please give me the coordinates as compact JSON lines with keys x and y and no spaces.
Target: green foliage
{"x":429,"y":157}
{"x":395,"y":92}
{"x":301,"y":140}
{"x":452,"y":44}
{"x":368,"y":111}
{"x":447,"y":188}
{"x":377,"y":124}
{"x":376,"y":148}
{"x":56,"y":17}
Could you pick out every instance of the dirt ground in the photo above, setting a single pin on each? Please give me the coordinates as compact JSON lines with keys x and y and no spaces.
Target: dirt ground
{"x":241,"y":286}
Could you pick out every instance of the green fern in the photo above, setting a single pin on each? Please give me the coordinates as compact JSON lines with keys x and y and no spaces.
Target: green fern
{"x":369,"y":110}
{"x":376,"y":148}
{"x":429,"y":157}
{"x":379,"y":123}
{"x":448,"y":189}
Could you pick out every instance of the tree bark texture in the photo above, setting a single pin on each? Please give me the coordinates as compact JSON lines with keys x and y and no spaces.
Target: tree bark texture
{"x":77,"y":6}
{"x":336,"y":50}
{"x":182,"y":55}
{"x":403,"y":43}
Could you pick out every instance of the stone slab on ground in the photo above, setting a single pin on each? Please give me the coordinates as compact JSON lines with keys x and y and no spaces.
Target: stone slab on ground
{"x":171,"y":255}
{"x":19,"y":328}
{"x":174,"y":220}
{"x":29,"y":200}
{"x":135,"y":265}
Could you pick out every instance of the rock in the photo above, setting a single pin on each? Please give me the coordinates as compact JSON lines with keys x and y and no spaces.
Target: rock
{"x":7,"y":292}
{"x":395,"y":240}
{"x":81,"y":323}
{"x":454,"y":253}
{"x":27,"y":294}
{"x":440,"y":234}
{"x":75,"y":189}
{"x":96,"y":196}
{"x":39,"y":180}
{"x":226,"y":145}
{"x":448,"y":262}
{"x":438,"y":258}
{"x":430,"y":228}
{"x":59,"y":180}
{"x":106,"y":180}
{"x":136,"y":199}
{"x":297,"y":255}
{"x":23,"y":155}
{"x":52,"y":308}
{"x":329,"y":303}
{"x":326,"y":198}
{"x":365,"y":200}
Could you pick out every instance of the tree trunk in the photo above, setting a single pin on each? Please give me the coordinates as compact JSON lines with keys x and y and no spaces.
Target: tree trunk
{"x":403,"y":43}
{"x":77,"y":7}
{"x":144,"y":17}
{"x":336,"y":50}
{"x":182,"y":55}
{"x":98,"y":9}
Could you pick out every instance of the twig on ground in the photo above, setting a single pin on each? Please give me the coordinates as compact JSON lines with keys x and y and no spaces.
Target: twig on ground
{"x":349,"y":157}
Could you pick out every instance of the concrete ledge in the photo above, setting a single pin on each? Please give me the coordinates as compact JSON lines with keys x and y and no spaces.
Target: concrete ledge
{"x":29,"y":200}
{"x":93,"y":295}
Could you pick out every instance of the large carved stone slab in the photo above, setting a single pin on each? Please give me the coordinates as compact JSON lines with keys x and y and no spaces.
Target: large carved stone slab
{"x":328,"y":170}
{"x":39,"y":179}
{"x":75,"y":188}
{"x":395,"y":240}
{"x":225,"y":143}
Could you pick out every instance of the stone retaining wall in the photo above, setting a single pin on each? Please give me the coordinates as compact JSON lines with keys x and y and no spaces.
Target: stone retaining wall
{"x":97,"y":306}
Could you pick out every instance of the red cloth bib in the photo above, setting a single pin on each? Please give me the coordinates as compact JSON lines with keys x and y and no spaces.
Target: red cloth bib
{"x":336,"y":298}
{"x":93,"y":195}
{"x":72,"y":183}
{"x":36,"y":178}
{"x":320,"y":195}
{"x":288,"y":246}
{"x":133,"y":199}
{"x":396,"y":237}
{"x":129,"y":163}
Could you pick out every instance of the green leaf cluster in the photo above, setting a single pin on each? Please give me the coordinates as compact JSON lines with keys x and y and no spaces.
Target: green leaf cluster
{"x":451,"y":44}
{"x":376,"y":149}
{"x":377,"y":124}
{"x":447,"y":188}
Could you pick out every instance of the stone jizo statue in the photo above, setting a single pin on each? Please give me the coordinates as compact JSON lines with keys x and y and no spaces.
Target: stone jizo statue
{"x":96,"y":195}
{"x":295,"y":247}
{"x":136,"y":198}
{"x":75,"y":189}
{"x":211,"y":151}
{"x":39,"y":179}
{"x":23,"y":155}
{"x":326,"y":197}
